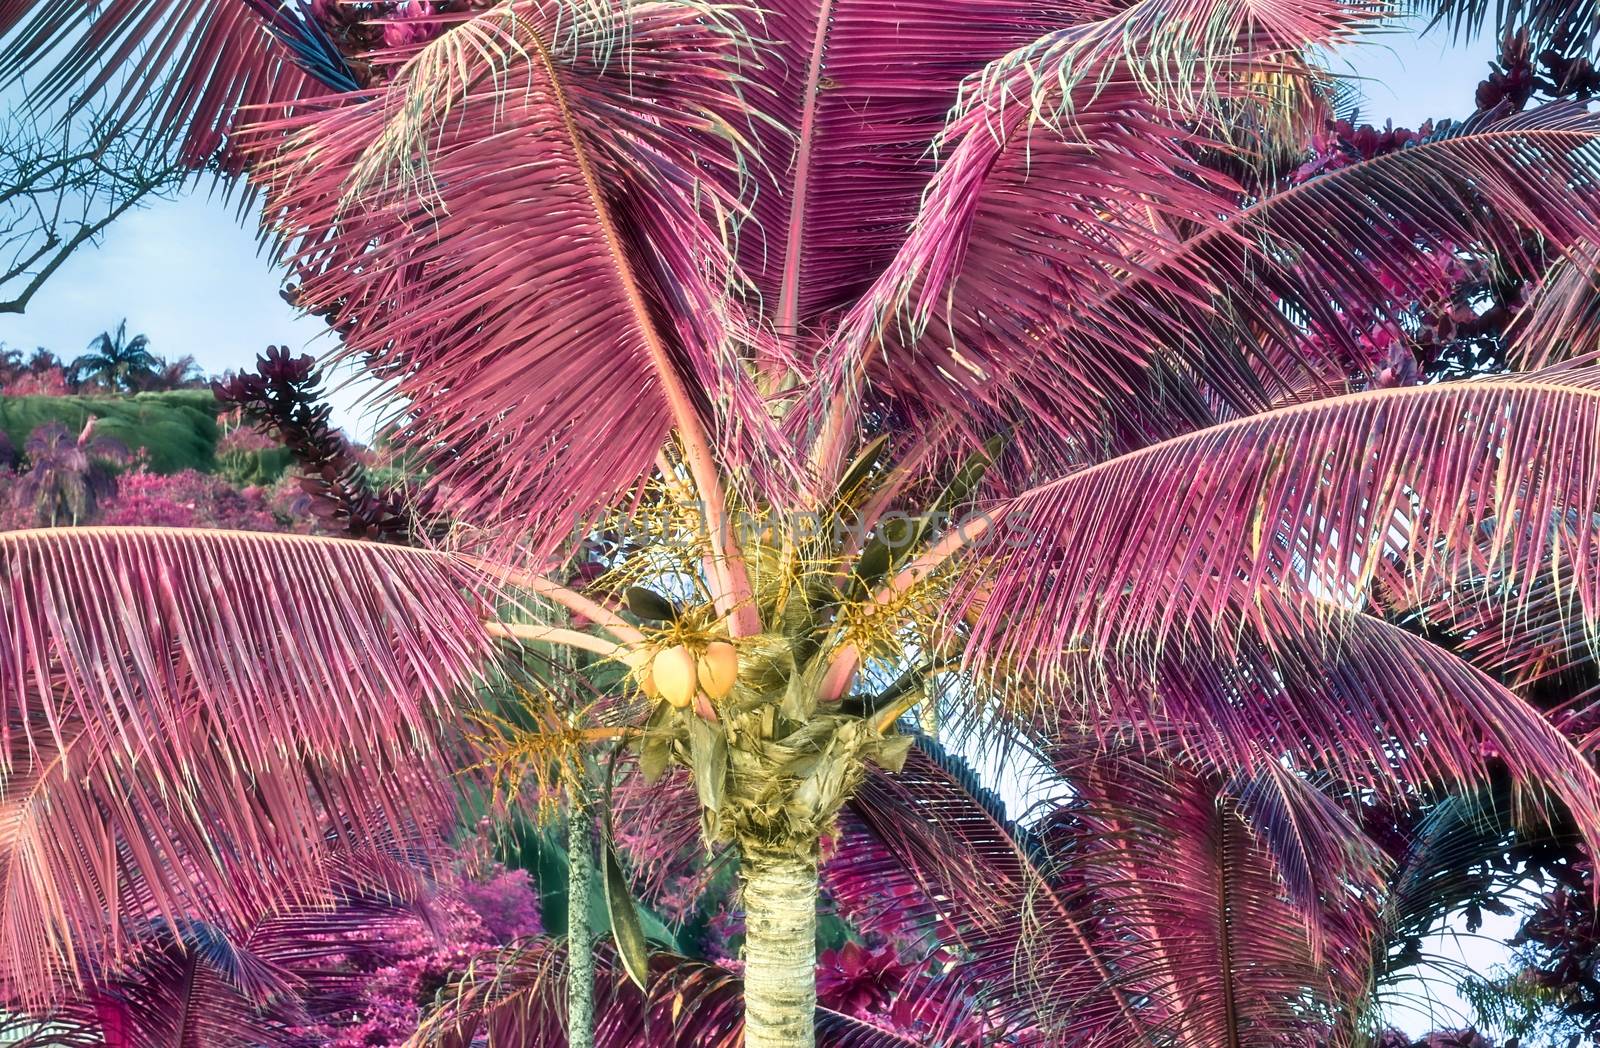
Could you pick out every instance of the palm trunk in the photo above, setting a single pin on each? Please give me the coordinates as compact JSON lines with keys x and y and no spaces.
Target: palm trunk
{"x":580,"y":943}
{"x":780,"y":947}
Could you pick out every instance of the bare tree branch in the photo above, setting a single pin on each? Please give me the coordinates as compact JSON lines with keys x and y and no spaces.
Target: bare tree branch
{"x":60,"y":187}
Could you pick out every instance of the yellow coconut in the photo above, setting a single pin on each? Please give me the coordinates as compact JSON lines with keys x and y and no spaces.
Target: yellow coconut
{"x":638,"y":661}
{"x":674,"y":673}
{"x":719,"y":668}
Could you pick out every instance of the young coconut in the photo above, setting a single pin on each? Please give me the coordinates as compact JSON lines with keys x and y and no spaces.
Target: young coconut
{"x":639,"y":662}
{"x":674,"y":672}
{"x":719,"y":669}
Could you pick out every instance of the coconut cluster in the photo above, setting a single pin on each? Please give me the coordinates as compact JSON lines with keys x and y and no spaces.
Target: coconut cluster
{"x":680,"y":673}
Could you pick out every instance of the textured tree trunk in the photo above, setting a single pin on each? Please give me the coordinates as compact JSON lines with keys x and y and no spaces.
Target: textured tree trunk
{"x":580,"y":943}
{"x":780,"y":946}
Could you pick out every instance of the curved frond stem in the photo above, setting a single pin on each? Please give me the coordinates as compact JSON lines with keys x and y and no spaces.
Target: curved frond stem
{"x":788,"y":319}
{"x":1225,"y":918}
{"x":731,"y":579}
{"x":525,"y":631}
{"x":832,"y":442}
{"x":553,"y":591}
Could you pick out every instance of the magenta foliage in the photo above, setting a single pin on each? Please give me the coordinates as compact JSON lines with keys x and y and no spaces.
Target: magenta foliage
{"x":1519,"y":74}
{"x":241,"y":439}
{"x":188,"y":499}
{"x":52,"y":383}
{"x":1559,"y":944}
{"x":411,"y":22}
{"x":396,"y":978}
{"x":505,"y":902}
{"x":877,"y":984}
{"x":1341,"y":144}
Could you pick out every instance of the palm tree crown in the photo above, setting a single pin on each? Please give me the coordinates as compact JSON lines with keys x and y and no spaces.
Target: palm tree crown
{"x":872,"y":353}
{"x":120,"y":363}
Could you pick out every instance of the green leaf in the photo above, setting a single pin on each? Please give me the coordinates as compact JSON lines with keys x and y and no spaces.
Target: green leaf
{"x":861,"y":467}
{"x":879,"y":556}
{"x":626,"y":928}
{"x":655,"y":744}
{"x":650,"y":605}
{"x":708,"y":755}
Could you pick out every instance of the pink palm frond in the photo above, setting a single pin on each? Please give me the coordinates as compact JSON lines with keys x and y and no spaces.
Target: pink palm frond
{"x":1190,"y":910}
{"x":1310,"y":499}
{"x":187,"y":716}
{"x":195,"y":64}
{"x":855,"y":92}
{"x":1062,"y":172}
{"x":517,"y":997}
{"x":1139,"y":325}
{"x":1345,"y":695}
{"x":1561,"y":319}
{"x":532,"y":256}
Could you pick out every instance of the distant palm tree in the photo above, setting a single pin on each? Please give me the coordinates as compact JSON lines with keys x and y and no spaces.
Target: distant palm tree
{"x":183,"y":373}
{"x":116,"y":361}
{"x":68,"y":477}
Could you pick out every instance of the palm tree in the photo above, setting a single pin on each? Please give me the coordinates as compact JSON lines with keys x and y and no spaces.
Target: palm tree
{"x":1073,"y":415}
{"x":117,"y":362}
{"x":68,"y":477}
{"x":183,"y":373}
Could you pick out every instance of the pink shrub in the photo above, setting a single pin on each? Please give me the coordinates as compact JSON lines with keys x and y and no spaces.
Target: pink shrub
{"x":186,"y":500}
{"x":399,"y":976}
{"x":50,"y":383}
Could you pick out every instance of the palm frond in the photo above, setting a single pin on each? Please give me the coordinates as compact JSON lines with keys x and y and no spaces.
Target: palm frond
{"x":1061,"y":942}
{"x":853,"y":94}
{"x":1569,"y":22}
{"x":195,"y":64}
{"x":1311,"y":499}
{"x":1373,"y":706}
{"x":1561,"y":320}
{"x":1192,"y":912}
{"x":930,"y":853}
{"x":1064,"y":175}
{"x":1143,"y":324}
{"x":541,"y":362}
{"x":518,"y":997}
{"x":52,"y":1030}
{"x":199,"y":986}
{"x":186,"y":716}
{"x":257,"y":983}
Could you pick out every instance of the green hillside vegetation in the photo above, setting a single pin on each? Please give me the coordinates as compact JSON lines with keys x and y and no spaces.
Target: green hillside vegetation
{"x":177,"y":429}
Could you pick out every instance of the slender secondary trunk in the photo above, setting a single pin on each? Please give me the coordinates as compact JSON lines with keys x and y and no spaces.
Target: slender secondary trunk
{"x":580,"y":943}
{"x":780,"y":946}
